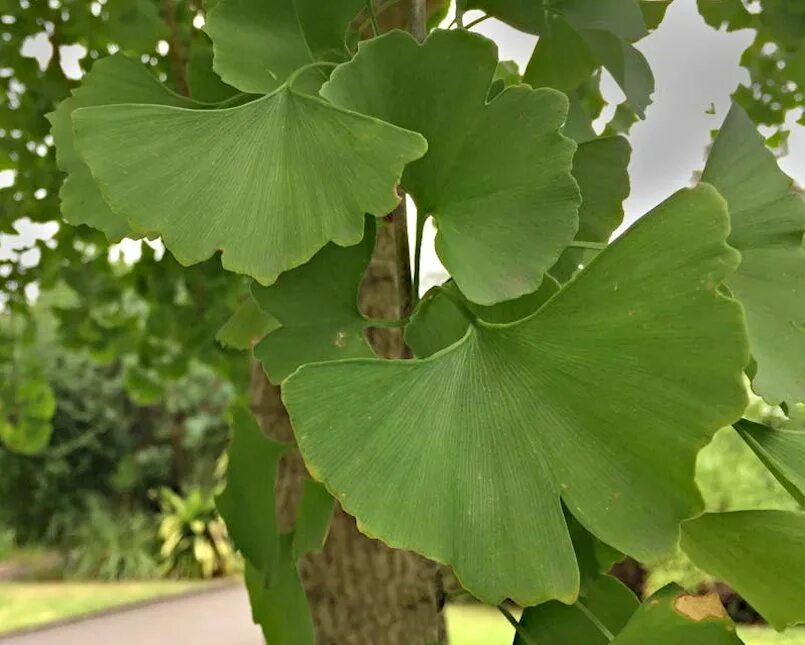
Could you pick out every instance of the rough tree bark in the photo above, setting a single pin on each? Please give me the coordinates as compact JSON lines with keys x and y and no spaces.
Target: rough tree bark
{"x":360,"y":590}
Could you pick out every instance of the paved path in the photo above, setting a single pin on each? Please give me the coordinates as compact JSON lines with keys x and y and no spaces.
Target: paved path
{"x":218,"y":617}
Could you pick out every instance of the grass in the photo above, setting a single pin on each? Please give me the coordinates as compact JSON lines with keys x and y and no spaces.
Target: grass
{"x":31,"y":604}
{"x":473,"y":625}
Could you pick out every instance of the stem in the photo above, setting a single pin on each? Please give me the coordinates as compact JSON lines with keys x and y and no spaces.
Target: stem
{"x":419,"y":19}
{"x":301,"y":70}
{"x":595,"y":621}
{"x":399,"y":223}
{"x":379,"y":11}
{"x":370,"y":8}
{"x":459,"y":19}
{"x":176,"y":53}
{"x":580,"y":244}
{"x":514,"y":623}
{"x":420,"y":227}
{"x":472,"y":23}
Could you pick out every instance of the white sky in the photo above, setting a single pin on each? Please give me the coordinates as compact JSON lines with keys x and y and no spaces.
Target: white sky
{"x":693,"y":67}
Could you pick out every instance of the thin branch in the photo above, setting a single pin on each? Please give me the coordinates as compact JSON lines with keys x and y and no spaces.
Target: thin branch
{"x":370,"y":9}
{"x":595,"y":621}
{"x":176,"y":55}
{"x":514,"y":623}
{"x":477,"y":21}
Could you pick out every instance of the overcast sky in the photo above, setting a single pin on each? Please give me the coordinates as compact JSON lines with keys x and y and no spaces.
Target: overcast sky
{"x":693,"y":66}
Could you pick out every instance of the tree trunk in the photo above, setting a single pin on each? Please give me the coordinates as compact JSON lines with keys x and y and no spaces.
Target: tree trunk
{"x":360,"y":591}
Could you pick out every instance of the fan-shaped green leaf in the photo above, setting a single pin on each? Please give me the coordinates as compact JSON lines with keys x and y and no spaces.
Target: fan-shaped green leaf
{"x":111,"y":81}
{"x":258,"y":43}
{"x":554,"y":623}
{"x":600,"y":167}
{"x":601,"y":399}
{"x":268,"y":183}
{"x":672,"y":617}
{"x":317,"y":307}
{"x":768,"y":222}
{"x":760,"y":554}
{"x":577,"y":36}
{"x":439,"y":320}
{"x":782,"y":451}
{"x":496,"y":178}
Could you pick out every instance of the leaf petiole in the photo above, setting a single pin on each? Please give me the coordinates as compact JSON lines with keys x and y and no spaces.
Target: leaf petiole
{"x":581,"y":244}
{"x":301,"y":70}
{"x":595,"y":621}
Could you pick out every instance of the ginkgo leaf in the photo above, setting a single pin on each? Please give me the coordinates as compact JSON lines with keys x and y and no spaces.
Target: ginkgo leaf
{"x":768,"y":222}
{"x":600,"y":400}
{"x":600,"y":167}
{"x":113,"y":80}
{"x":267,"y":183}
{"x":496,"y":179}
{"x":554,"y":623}
{"x":577,"y":36}
{"x":673,"y":617}
{"x":248,"y":504}
{"x":247,"y":325}
{"x":316,"y":306}
{"x":760,"y":554}
{"x":782,"y":451}
{"x":438,"y":320}
{"x":259,"y":43}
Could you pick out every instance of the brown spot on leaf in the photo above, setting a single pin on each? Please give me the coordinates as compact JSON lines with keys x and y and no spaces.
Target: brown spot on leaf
{"x":340,"y":338}
{"x":700,"y":607}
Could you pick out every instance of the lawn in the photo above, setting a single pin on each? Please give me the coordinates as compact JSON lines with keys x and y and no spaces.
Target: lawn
{"x":29,"y":604}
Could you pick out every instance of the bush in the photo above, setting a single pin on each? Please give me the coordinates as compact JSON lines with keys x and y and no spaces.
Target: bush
{"x":112,"y":544}
{"x":194,"y":540}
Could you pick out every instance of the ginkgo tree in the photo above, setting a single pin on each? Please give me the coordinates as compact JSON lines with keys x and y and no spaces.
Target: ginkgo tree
{"x":560,"y":386}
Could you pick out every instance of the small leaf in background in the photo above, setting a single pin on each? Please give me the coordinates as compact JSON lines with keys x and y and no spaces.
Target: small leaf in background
{"x":601,"y":400}
{"x":259,"y":43}
{"x":113,"y":80}
{"x":600,"y":167}
{"x":760,"y":554}
{"x":247,"y":326}
{"x":767,"y":224}
{"x":496,"y":179}
{"x":25,"y":421}
{"x":438,"y":320}
{"x":248,"y":506}
{"x":316,"y":306}
{"x":782,"y":451}
{"x":248,"y":503}
{"x":321,"y":169}
{"x":673,"y":617}
{"x":554,"y":623}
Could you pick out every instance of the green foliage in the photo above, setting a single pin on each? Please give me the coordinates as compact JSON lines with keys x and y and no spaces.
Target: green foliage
{"x":489,"y":166}
{"x":563,"y":386}
{"x":529,"y":382}
{"x":767,"y":220}
{"x":111,"y":544}
{"x":193,"y":540}
{"x":275,"y":590}
{"x":131,"y":149}
{"x":775,"y":59}
{"x":759,"y":553}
